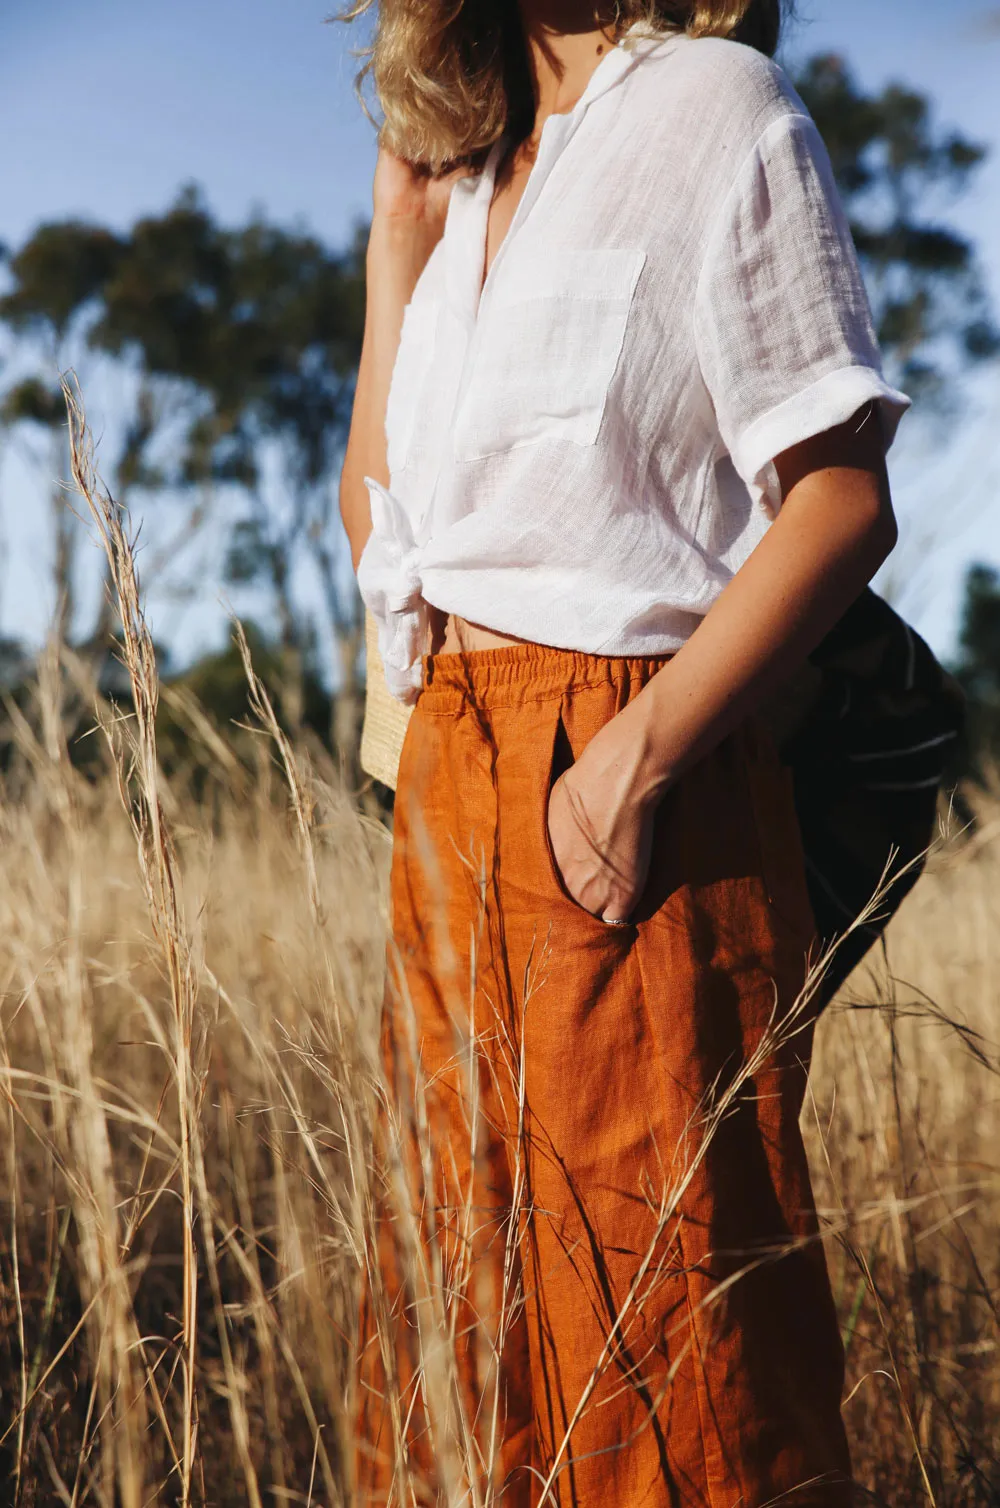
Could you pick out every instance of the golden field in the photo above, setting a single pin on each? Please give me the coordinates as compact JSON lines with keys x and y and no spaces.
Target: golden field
{"x":188,"y":1030}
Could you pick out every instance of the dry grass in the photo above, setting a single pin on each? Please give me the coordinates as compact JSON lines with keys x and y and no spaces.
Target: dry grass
{"x":904,"y":1135}
{"x":190,"y":1088}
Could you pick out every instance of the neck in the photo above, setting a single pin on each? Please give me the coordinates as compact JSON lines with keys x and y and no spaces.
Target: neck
{"x":565,"y":41}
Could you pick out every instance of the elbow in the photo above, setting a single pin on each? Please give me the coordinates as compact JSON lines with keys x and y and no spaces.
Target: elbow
{"x":347,"y":525}
{"x":885,"y":527}
{"x":875,"y":546}
{"x":344,"y":493}
{"x":354,"y":516}
{"x":881,"y":529}
{"x":884,"y":537}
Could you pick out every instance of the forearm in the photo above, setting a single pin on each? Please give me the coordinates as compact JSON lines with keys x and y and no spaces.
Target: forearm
{"x":397,"y":252}
{"x":823,"y":548}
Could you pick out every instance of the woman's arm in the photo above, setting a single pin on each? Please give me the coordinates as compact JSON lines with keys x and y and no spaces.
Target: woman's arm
{"x":834,"y":529}
{"x":407,"y":223}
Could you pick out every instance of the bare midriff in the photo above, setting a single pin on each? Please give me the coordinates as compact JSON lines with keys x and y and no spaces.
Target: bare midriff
{"x":450,"y":634}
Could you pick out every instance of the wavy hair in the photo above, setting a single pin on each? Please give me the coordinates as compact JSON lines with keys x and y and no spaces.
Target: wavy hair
{"x":451,"y":76}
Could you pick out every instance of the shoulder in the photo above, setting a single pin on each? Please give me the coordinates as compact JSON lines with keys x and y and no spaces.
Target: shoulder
{"x":721,"y":96}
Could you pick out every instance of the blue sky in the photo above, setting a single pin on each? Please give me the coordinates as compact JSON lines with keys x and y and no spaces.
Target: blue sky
{"x":107,"y":108}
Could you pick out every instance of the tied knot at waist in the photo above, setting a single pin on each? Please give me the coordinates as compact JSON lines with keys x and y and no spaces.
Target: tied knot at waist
{"x":391,"y":586}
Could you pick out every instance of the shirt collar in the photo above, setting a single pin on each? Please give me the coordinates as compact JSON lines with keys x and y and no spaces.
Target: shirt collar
{"x":636,"y":43}
{"x":469,"y":205}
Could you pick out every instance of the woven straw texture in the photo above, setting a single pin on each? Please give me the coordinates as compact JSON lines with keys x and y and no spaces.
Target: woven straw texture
{"x":385,"y":718}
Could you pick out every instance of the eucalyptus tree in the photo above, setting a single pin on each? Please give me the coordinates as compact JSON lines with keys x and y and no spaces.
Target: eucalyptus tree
{"x":241,"y":346}
{"x":897,"y":172}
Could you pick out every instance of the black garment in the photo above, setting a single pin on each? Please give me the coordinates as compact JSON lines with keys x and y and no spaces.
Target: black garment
{"x":868,"y":727}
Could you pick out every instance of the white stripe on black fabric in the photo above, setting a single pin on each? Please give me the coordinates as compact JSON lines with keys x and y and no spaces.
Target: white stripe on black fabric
{"x":911,"y":663}
{"x":900,"y":785}
{"x":928,"y":743}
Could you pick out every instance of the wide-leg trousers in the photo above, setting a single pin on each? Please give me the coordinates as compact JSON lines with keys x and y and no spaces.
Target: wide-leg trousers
{"x":605,"y":1285}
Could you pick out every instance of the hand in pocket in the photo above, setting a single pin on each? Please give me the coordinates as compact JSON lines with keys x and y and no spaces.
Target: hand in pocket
{"x":600,"y":831}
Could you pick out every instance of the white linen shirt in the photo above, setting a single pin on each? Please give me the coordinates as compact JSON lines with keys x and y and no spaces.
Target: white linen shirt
{"x":581,"y":452}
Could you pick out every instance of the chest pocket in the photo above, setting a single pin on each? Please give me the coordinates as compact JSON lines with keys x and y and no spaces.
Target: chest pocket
{"x":409,"y":378}
{"x":549,"y":344}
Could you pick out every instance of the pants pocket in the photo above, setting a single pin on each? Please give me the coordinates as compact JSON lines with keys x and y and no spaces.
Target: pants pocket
{"x":559,"y":757}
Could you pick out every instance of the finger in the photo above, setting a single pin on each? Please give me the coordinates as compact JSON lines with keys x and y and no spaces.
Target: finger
{"x":598,"y":848}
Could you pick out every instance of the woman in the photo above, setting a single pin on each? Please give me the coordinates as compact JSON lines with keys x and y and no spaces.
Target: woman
{"x":616,"y":465}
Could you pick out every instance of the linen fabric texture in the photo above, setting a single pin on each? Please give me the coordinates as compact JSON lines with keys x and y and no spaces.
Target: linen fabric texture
{"x":581,"y":448}
{"x":609,"y":1223}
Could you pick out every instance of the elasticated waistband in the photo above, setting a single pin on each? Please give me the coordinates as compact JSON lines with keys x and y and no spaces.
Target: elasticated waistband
{"x":511,"y":674}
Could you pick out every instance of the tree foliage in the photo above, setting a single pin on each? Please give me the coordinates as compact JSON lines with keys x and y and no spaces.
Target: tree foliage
{"x":977,"y":665}
{"x":242,"y":345}
{"x":56,"y":274}
{"x":895,"y":171}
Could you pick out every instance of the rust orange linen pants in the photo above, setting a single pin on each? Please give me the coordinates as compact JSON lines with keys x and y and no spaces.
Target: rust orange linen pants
{"x":613,"y":1213}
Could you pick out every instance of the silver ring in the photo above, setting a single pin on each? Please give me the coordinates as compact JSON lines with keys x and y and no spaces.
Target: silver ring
{"x":609,"y":923}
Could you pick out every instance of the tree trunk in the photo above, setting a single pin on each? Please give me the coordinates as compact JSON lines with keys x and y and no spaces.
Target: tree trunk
{"x":293,"y":671}
{"x":64,"y":562}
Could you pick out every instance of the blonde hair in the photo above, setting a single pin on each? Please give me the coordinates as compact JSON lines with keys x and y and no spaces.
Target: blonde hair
{"x":452,"y":76}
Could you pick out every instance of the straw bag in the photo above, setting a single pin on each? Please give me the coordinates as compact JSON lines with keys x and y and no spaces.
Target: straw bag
{"x":868,"y":727}
{"x":385,"y":717}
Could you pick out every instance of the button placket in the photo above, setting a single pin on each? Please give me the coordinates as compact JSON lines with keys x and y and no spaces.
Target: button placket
{"x":557,"y":131}
{"x":465,"y":234}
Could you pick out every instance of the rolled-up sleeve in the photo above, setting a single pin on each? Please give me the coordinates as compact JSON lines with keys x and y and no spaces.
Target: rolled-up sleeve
{"x":783,"y":326}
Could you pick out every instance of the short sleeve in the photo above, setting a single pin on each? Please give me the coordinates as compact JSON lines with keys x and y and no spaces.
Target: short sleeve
{"x":783,"y":327}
